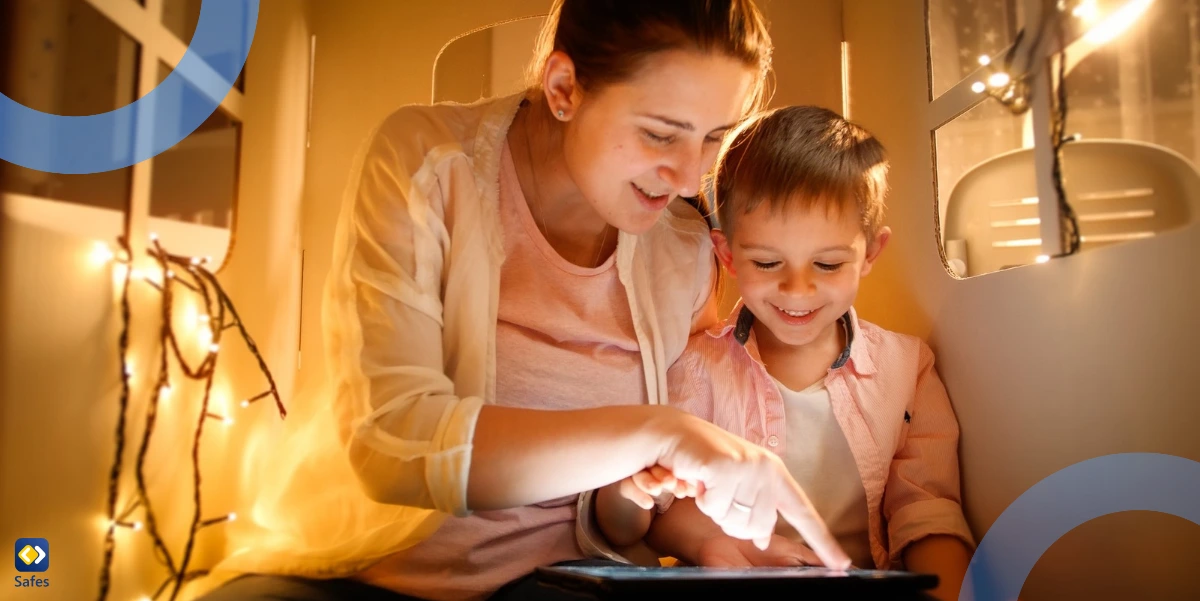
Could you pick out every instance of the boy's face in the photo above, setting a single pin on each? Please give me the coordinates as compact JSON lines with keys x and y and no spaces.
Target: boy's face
{"x":798,"y":270}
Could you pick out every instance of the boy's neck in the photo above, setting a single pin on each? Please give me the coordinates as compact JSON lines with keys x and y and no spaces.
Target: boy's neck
{"x":798,"y":367}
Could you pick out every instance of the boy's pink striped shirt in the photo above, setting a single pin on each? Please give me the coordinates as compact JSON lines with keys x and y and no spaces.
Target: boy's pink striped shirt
{"x":889,"y":402}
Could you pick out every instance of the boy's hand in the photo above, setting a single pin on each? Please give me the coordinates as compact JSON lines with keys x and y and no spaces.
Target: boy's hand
{"x":645,"y":486}
{"x":726,"y":551}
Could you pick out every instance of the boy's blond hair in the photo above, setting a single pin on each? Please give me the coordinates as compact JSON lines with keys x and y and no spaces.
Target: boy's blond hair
{"x":801,"y":157}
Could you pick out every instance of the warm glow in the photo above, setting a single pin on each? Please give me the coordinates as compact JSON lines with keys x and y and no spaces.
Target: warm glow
{"x":1043,"y":258}
{"x":232,"y":517}
{"x":213,"y":348}
{"x":1117,"y":22}
{"x":999,"y":79}
{"x":978,"y":87}
{"x":1086,"y":11}
{"x":165,"y":391}
{"x":985,"y":60}
{"x":245,"y":403}
{"x":101,"y":253}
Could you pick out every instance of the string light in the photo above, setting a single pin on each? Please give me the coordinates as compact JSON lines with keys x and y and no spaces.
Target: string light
{"x":221,"y":418}
{"x":999,"y":79}
{"x":1043,"y":258}
{"x":985,"y":60}
{"x":102,"y":254}
{"x":219,"y":520}
{"x":256,"y":398}
{"x":178,"y":273}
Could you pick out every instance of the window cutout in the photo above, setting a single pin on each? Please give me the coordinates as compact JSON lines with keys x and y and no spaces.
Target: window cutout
{"x":195,"y":182}
{"x":1131,"y":84}
{"x":180,"y":18}
{"x":965,"y":147}
{"x":1143,"y":85}
{"x":64,"y":57}
{"x":962,"y":31}
{"x":485,"y":63}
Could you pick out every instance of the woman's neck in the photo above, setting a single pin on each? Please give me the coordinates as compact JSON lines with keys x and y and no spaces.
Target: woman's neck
{"x":799,"y":367}
{"x":567,"y":220}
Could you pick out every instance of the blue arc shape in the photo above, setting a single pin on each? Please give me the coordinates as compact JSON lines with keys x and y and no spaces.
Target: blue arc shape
{"x":151,"y":124}
{"x":1068,"y":498}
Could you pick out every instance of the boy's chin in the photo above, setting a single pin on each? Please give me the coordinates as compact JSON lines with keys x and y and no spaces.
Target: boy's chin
{"x":798,"y":335}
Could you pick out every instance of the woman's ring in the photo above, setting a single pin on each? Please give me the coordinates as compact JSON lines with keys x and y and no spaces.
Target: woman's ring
{"x":740,"y":507}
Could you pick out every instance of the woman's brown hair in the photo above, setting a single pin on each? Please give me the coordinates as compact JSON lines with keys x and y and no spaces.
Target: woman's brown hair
{"x":607,"y":40}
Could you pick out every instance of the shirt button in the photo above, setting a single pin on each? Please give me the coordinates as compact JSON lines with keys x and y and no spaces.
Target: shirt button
{"x":773,"y":441}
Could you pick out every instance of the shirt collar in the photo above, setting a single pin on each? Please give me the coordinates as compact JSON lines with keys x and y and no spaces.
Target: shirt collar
{"x":858,"y":356}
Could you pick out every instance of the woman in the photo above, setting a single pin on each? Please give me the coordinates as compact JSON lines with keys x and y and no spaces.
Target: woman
{"x":511,"y":281}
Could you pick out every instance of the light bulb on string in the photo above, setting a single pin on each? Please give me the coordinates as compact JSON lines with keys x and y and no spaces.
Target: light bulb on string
{"x":998,"y":79}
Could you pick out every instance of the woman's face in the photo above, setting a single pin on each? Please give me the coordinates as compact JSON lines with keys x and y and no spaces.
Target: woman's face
{"x":633,"y":146}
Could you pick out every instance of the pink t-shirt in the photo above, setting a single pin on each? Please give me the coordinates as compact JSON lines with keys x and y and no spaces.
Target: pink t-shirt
{"x":564,"y":340}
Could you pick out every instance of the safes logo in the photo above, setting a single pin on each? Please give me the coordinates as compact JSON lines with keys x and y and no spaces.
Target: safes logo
{"x":32,"y":555}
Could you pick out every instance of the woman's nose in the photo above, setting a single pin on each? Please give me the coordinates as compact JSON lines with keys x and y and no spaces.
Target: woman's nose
{"x":684,"y":172}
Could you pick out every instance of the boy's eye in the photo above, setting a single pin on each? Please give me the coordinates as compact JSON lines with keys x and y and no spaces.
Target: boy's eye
{"x":765,"y":265}
{"x":828,"y":266}
{"x":657,"y":139}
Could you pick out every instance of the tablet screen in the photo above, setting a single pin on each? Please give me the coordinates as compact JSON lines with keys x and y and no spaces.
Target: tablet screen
{"x":701,"y":573}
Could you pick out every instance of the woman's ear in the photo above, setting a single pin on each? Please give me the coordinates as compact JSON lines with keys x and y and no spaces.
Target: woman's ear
{"x":724,"y":253}
{"x":563,"y":93}
{"x":875,"y":247}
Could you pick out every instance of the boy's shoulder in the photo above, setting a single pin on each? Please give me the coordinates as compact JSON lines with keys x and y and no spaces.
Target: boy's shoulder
{"x":889,"y":349}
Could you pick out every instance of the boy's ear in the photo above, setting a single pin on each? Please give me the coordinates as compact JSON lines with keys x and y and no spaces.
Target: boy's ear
{"x":724,"y":254}
{"x":875,"y":247}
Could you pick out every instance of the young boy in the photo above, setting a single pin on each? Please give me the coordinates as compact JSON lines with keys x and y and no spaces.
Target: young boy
{"x":857,"y":413}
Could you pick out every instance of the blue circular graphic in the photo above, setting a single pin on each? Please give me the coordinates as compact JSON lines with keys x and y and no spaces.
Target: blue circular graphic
{"x":151,"y":124}
{"x":1068,"y":498}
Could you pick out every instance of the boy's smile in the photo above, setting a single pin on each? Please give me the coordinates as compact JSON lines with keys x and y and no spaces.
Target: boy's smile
{"x":798,"y":269}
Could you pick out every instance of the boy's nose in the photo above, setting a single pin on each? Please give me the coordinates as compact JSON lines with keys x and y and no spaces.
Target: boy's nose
{"x":797,"y":284}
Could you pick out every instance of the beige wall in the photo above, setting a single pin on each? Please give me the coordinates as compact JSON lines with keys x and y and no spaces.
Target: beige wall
{"x":1047,"y":365}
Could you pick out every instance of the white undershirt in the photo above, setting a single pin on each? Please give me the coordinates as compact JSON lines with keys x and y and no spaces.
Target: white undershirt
{"x":819,"y":458}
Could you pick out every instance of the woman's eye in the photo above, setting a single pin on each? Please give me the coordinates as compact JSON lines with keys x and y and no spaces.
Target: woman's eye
{"x":828,"y":266}
{"x":712,"y":140}
{"x":657,"y":139}
{"x":765,"y":265}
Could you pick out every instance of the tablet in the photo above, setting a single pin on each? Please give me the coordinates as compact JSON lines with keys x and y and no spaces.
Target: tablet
{"x":810,"y":583}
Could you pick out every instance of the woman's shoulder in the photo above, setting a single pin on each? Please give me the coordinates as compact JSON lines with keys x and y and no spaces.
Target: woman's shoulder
{"x":413,"y":132}
{"x":681,"y":229}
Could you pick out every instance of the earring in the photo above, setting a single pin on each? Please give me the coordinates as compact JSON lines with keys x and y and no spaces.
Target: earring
{"x":561,"y":115}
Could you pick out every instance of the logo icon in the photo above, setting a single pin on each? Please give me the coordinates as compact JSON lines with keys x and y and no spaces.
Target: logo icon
{"x":32,"y":554}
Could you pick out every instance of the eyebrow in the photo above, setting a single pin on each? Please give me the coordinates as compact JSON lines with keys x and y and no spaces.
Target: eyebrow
{"x":843,"y":247}
{"x":683,"y":124}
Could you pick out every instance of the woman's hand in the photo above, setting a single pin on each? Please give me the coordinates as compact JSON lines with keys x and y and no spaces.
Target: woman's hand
{"x":724,"y":551}
{"x":646,"y":486}
{"x":742,"y":486}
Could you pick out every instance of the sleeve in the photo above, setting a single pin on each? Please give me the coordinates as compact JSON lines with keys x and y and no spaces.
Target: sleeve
{"x":407,"y":434}
{"x":688,"y":390}
{"x":922,"y":495}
